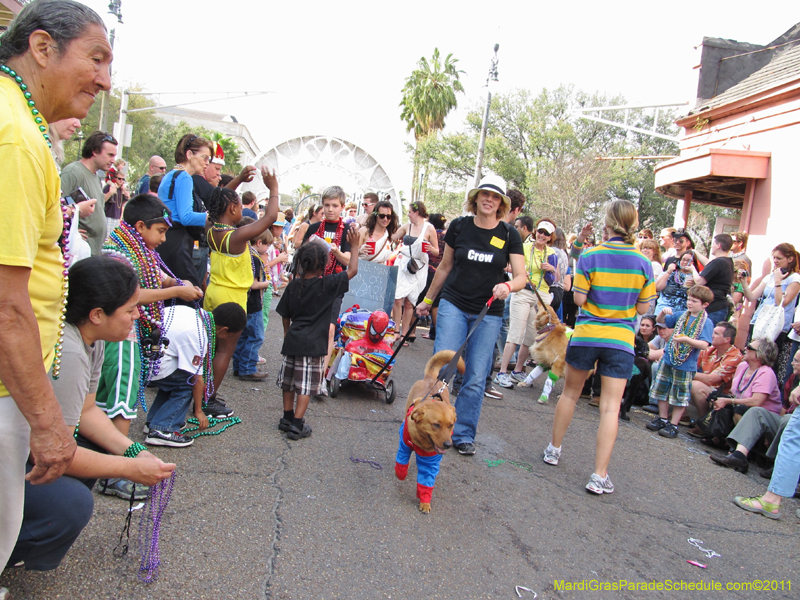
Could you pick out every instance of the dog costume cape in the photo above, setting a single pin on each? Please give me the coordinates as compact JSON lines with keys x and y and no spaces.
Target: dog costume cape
{"x":427,"y":462}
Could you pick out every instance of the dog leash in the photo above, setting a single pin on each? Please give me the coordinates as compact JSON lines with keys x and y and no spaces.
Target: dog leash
{"x":400,"y":345}
{"x":450,"y":370}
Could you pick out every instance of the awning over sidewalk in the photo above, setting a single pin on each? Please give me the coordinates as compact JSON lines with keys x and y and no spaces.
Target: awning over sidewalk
{"x":717,"y":176}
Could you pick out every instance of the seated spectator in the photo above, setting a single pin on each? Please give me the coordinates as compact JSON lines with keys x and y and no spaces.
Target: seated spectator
{"x":757,"y":422}
{"x":657,"y":345}
{"x":717,"y":365}
{"x":101,"y":306}
{"x":673,"y":284}
{"x":754,"y":383}
{"x":783,"y":482}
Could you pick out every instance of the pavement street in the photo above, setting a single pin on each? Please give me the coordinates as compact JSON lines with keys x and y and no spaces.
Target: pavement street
{"x":254,"y":515}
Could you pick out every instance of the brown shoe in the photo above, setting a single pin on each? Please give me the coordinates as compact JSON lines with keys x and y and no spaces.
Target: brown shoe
{"x":253,"y":377}
{"x":729,"y":460}
{"x":696,"y":432}
{"x":595,"y":401}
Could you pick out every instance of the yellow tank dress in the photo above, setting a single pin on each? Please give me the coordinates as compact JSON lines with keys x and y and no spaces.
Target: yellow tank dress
{"x":231,"y":274}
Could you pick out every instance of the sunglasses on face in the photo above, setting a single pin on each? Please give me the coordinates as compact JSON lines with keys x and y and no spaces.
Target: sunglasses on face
{"x":751,"y":347}
{"x":387,"y":217}
{"x":542,"y":231}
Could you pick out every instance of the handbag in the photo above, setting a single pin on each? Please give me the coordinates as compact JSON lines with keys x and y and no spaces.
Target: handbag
{"x":769,"y":323}
{"x":717,"y":423}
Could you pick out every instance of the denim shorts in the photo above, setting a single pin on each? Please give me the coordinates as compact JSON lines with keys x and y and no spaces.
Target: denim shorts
{"x":611,"y":362}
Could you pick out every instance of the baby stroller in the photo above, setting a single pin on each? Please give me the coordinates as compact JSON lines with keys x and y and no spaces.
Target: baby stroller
{"x":361,"y":353}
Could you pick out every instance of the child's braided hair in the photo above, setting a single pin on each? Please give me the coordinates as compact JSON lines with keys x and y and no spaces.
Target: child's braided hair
{"x":219,"y":201}
{"x":311,"y":257}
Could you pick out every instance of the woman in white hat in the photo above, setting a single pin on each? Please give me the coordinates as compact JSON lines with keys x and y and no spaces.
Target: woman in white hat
{"x":541,"y":264}
{"x":477,"y":250}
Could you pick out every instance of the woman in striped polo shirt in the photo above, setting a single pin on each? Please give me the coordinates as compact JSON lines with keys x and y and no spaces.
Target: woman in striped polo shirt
{"x":613,"y":282}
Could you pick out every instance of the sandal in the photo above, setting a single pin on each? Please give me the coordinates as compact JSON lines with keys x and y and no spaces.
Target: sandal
{"x":767,"y":509}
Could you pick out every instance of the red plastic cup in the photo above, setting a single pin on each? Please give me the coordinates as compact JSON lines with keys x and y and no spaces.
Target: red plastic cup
{"x":426,"y":247}
{"x":371,"y":246}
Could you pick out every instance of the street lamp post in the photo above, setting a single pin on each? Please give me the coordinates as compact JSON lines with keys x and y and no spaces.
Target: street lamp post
{"x":482,"y":144}
{"x":114,"y":9}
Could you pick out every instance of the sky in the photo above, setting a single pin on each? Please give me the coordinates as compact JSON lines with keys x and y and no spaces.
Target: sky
{"x":338,"y":68}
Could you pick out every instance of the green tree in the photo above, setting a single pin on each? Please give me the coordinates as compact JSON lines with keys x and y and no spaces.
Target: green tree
{"x":151,"y":135}
{"x":429,"y":94}
{"x":303,"y":190}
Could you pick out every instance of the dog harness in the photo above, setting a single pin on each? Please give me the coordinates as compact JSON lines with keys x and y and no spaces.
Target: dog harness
{"x":428,"y":462}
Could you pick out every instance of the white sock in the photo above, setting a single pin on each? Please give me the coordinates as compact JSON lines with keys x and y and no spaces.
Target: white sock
{"x":551,"y":447}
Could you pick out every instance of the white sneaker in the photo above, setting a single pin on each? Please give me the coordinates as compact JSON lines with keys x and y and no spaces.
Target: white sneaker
{"x":598,"y":485}
{"x":504,"y":380}
{"x":518,"y":377}
{"x":551,"y":455}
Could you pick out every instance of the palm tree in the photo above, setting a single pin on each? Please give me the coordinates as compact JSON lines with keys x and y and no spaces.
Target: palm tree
{"x":303,"y":190}
{"x":429,"y":94}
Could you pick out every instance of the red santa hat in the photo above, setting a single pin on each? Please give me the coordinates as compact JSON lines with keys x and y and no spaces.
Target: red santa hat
{"x":219,"y":154}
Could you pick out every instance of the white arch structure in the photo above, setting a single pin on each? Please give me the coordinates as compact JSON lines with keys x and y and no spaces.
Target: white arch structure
{"x":292,"y":155}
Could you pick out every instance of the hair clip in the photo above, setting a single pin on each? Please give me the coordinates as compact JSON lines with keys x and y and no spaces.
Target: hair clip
{"x":166,"y":217}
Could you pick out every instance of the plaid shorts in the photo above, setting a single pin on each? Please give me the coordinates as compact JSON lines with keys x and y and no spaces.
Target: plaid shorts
{"x":671,"y":385}
{"x":302,"y":374}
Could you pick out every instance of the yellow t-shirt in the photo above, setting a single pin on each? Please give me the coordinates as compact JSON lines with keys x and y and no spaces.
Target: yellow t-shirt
{"x":31,"y":221}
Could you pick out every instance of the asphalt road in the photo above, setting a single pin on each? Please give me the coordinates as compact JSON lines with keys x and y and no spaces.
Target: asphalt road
{"x":254,"y":515}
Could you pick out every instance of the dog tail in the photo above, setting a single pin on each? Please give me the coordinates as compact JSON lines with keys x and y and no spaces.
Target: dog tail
{"x":439,"y":360}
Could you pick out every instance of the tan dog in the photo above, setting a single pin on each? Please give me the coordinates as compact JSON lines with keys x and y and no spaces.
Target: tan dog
{"x":428,"y":427}
{"x":548,"y":351}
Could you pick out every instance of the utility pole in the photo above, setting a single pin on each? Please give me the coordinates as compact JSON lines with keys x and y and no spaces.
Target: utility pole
{"x":114,"y":8}
{"x":482,"y":144}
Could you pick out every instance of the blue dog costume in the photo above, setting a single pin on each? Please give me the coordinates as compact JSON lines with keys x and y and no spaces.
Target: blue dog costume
{"x":427,"y":462}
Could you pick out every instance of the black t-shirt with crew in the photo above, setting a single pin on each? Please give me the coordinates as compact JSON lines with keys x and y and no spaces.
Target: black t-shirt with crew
{"x":307,"y":304}
{"x":479,"y":262}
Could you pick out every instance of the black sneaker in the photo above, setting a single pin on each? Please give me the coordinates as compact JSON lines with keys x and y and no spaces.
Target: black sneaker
{"x":298,"y":433}
{"x":669,"y":431}
{"x":285,"y":424}
{"x":216,"y":409}
{"x":174,"y":439}
{"x":657,"y":424}
{"x":466,"y":448}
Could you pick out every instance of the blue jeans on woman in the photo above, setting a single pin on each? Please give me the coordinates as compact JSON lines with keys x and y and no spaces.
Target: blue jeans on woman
{"x":173,"y":401}
{"x":787,"y":464}
{"x":452,"y":326}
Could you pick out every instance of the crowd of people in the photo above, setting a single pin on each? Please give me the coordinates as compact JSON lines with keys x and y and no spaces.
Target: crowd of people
{"x":166,"y":282}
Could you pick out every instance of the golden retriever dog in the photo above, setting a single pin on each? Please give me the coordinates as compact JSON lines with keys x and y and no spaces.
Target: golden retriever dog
{"x":548,"y":351}
{"x":428,"y":427}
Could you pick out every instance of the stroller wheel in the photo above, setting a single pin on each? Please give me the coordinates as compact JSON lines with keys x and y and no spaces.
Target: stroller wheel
{"x":333,"y":387}
{"x":391,"y":392}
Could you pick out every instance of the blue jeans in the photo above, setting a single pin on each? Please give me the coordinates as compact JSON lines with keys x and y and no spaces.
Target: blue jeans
{"x":717,"y":316}
{"x":245,"y":357}
{"x":173,"y":401}
{"x":452,"y":326}
{"x":787,"y":463}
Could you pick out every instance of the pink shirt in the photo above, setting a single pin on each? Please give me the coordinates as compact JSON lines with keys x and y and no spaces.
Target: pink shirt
{"x":763,"y":381}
